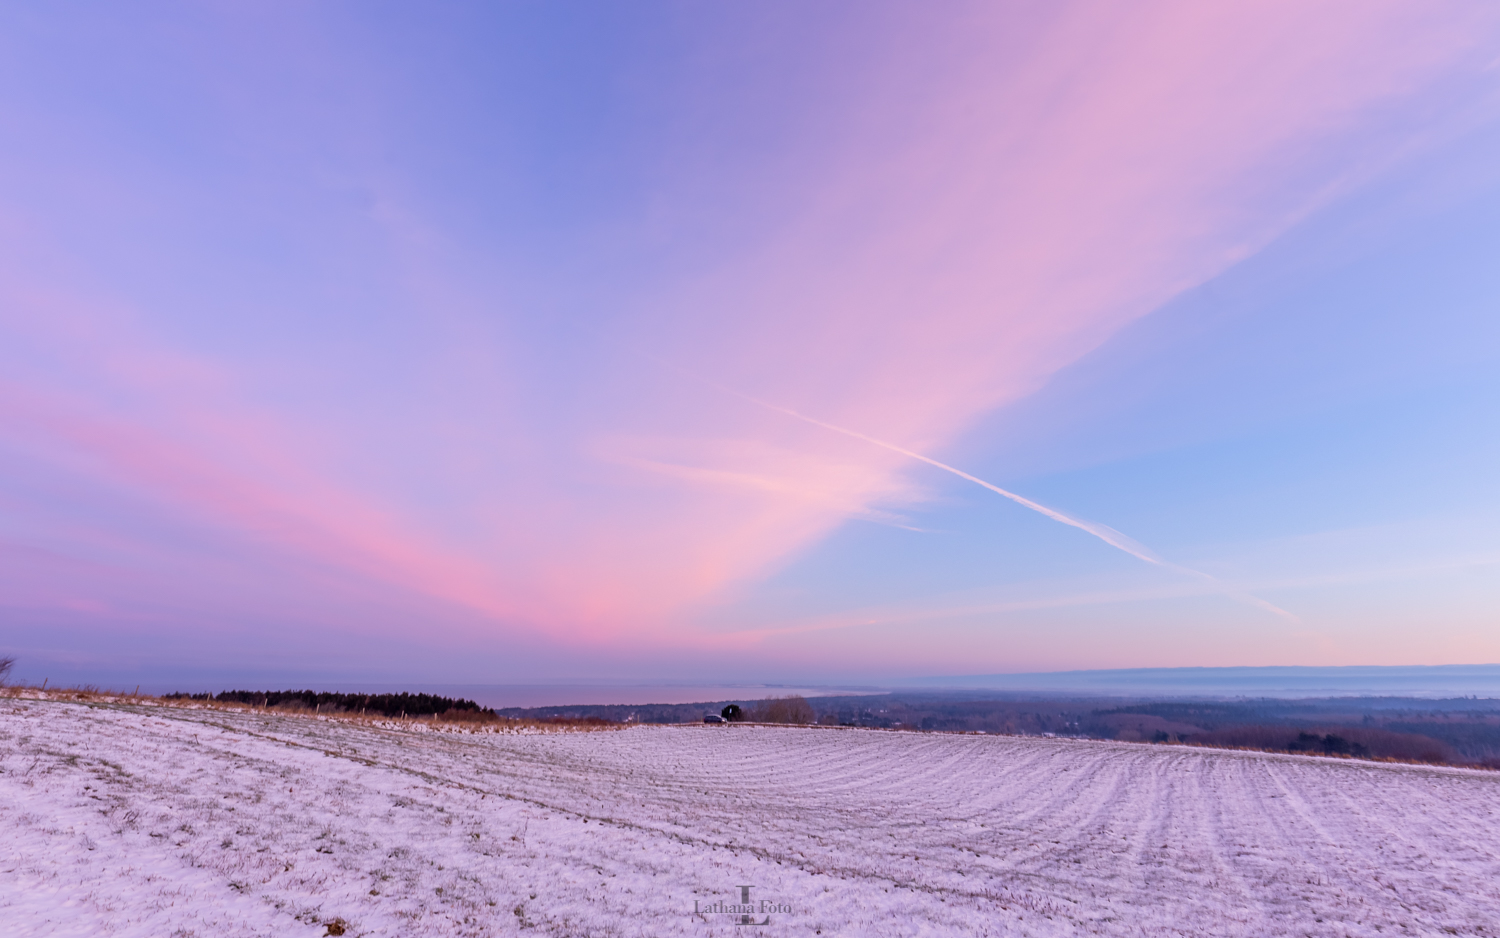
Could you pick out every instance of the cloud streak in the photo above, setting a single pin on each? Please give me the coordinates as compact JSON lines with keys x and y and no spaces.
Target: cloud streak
{"x":1103,"y":532}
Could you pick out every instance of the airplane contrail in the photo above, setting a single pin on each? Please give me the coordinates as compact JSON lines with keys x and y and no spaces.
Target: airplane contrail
{"x":1103,"y":532}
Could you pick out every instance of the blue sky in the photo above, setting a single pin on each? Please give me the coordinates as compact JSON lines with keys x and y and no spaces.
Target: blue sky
{"x":462,"y":344}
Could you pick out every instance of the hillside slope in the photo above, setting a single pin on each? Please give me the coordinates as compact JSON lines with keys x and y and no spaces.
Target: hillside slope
{"x":152,"y":821}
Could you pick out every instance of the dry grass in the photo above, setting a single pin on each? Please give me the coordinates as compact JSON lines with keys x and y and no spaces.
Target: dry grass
{"x":1488,"y":764}
{"x":467,"y":721}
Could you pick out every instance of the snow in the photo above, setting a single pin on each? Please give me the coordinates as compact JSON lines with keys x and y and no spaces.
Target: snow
{"x":135,"y":819}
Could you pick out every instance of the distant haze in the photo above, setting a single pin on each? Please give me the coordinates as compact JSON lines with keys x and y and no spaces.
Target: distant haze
{"x":556,"y":695}
{"x":1448,"y":681}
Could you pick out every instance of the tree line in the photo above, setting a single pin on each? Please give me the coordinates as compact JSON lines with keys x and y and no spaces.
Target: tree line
{"x":389,"y":705}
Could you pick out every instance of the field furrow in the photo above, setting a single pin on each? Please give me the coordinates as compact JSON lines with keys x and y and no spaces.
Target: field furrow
{"x":145,"y":820}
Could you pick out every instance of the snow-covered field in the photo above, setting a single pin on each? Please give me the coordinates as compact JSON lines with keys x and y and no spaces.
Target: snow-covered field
{"x":156,"y":821}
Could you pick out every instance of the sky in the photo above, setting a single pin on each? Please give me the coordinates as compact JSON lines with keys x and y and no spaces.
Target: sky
{"x":830,"y":342}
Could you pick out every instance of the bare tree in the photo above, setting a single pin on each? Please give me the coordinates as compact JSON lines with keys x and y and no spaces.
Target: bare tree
{"x":6,"y":663}
{"x":792,"y":708}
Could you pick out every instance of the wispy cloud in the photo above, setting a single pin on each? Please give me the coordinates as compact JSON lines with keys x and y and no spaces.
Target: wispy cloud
{"x":1058,"y":596}
{"x":1103,"y":532}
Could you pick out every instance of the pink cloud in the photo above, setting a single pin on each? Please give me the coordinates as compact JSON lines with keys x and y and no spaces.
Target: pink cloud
{"x":1042,"y":200}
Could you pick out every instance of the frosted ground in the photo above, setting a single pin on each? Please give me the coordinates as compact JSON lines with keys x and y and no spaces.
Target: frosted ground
{"x":155,"y":821}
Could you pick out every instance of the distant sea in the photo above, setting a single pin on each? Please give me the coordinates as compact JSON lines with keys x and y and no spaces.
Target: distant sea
{"x":1431,"y":681}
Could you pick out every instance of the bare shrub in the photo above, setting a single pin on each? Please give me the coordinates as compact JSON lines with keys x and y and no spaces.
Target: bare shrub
{"x":1366,"y":742}
{"x":467,"y":716}
{"x":578,"y":722}
{"x":792,"y":708}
